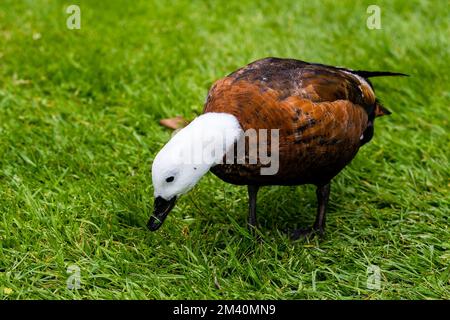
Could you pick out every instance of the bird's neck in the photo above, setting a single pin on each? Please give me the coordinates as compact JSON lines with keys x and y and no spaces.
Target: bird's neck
{"x":207,"y":139}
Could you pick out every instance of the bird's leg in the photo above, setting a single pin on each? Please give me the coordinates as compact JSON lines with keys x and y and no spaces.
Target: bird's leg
{"x":323,"y":194}
{"x":252,"y":192}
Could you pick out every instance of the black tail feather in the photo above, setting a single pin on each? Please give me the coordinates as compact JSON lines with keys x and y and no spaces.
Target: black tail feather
{"x":370,"y":74}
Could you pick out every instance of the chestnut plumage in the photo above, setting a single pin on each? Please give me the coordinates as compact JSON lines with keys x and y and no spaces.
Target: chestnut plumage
{"x":324,"y":114}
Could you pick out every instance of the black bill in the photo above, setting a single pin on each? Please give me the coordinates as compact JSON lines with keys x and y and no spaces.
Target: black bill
{"x":162,"y":208}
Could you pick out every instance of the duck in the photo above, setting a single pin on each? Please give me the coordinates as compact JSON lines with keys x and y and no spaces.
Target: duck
{"x":311,"y":120}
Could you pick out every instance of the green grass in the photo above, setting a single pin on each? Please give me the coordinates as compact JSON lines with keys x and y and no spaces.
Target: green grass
{"x":79,"y":113}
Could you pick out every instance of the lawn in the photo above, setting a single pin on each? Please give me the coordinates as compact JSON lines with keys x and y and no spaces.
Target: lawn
{"x":79,"y":112}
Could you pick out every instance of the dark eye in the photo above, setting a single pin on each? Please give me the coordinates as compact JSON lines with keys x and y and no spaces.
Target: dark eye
{"x":170,"y":179}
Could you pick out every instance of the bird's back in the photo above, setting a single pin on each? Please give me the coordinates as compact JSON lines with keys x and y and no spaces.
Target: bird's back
{"x":322,"y":114}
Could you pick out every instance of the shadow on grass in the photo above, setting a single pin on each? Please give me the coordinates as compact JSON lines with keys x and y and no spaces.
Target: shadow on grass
{"x":285,"y":208}
{"x":132,"y":207}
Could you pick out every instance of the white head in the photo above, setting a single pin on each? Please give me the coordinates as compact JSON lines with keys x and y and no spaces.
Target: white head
{"x":187,"y":157}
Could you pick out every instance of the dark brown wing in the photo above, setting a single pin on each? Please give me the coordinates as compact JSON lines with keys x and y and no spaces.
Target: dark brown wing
{"x":314,"y":82}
